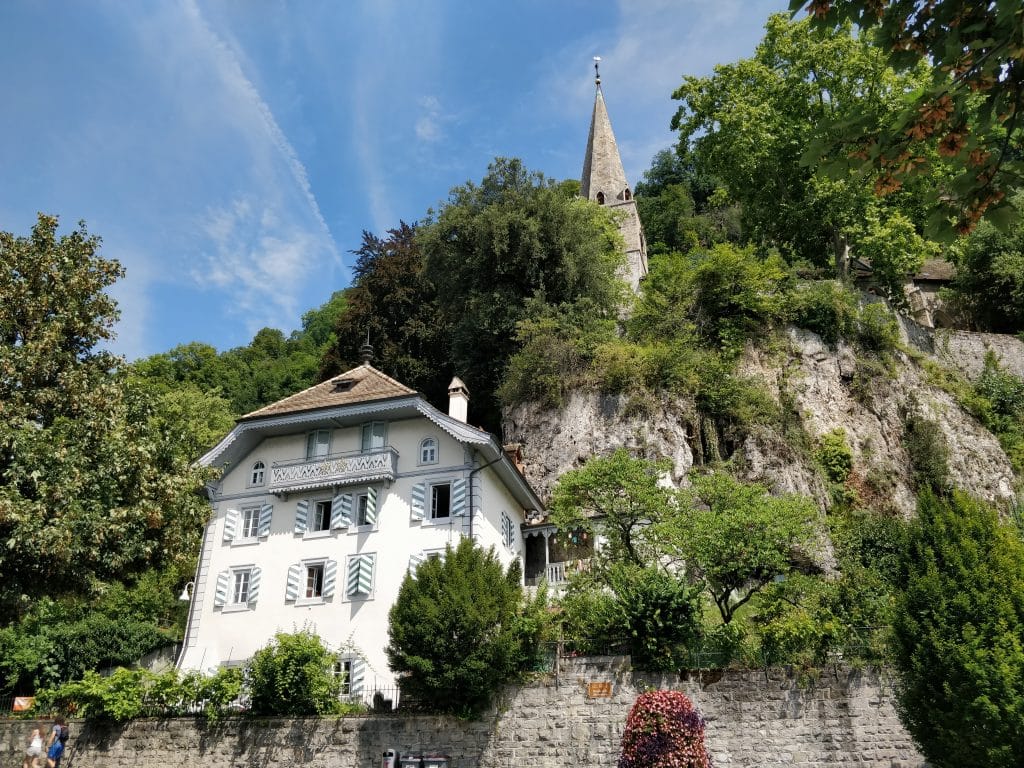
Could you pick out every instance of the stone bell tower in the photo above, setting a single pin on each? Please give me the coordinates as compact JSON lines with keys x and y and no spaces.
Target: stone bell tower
{"x":604,"y":181}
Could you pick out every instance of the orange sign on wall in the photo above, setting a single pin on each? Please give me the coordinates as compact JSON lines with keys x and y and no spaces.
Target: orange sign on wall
{"x":599,"y":690}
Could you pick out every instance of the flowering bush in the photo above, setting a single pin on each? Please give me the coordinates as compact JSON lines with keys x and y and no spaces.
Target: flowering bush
{"x":664,"y":730}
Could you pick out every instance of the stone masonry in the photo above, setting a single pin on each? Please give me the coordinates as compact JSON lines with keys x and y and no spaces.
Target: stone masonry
{"x":776,"y":717}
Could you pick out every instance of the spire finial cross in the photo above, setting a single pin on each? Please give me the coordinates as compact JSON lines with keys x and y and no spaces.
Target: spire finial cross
{"x":597,"y":72}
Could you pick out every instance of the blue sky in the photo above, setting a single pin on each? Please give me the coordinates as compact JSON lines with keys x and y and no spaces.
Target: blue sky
{"x":231,"y":152}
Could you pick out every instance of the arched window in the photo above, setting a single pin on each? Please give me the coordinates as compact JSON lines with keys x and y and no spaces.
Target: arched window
{"x":627,"y":194}
{"x":600,"y":198}
{"x":257,"y":473}
{"x":428,"y":451}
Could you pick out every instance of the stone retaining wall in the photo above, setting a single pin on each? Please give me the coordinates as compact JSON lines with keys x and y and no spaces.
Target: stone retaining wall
{"x":768,"y":718}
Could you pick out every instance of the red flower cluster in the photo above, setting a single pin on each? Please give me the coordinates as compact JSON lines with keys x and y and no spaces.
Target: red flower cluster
{"x":664,"y":730}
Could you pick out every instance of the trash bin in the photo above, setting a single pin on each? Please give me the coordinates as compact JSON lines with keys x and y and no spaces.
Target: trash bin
{"x":410,"y":761}
{"x":390,"y":759}
{"x":436,"y":761}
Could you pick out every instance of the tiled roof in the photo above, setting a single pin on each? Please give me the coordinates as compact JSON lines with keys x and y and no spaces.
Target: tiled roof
{"x":359,"y":385}
{"x":936,"y":269}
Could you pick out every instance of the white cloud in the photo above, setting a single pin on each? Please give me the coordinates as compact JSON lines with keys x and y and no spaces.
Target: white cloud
{"x":428,"y":125}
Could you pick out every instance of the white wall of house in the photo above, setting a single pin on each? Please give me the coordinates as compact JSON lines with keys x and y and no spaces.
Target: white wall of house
{"x":231,"y":632}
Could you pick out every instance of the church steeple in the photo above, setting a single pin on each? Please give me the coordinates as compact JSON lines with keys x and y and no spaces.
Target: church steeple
{"x":604,"y":181}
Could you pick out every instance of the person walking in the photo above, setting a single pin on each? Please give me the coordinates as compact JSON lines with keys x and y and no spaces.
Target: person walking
{"x":35,"y":749}
{"x":55,"y":746}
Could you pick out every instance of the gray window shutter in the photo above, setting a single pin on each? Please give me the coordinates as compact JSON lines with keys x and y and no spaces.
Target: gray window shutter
{"x":360,"y":575}
{"x":266,"y":513}
{"x":414,"y":562}
{"x":301,"y":515}
{"x":330,"y":577}
{"x":419,"y":500}
{"x":341,"y":511}
{"x":355,"y":685}
{"x":230,"y":525}
{"x":371,"y":506}
{"x":292,"y":590}
{"x":254,"y":584}
{"x":458,"y":497}
{"x":220,"y":597}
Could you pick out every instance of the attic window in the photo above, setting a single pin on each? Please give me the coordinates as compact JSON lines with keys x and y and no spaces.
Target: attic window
{"x":344,"y":385}
{"x":600,"y":198}
{"x":627,"y":195}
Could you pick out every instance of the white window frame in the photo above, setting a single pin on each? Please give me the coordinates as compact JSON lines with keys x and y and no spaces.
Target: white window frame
{"x":322,"y":507}
{"x":248,"y":524}
{"x":311,"y":566}
{"x":429,"y":444}
{"x":240,"y":575}
{"x":257,"y":475}
{"x":349,"y":598}
{"x":314,"y":443}
{"x":369,"y":446}
{"x":431,"y":513}
{"x":343,"y":667}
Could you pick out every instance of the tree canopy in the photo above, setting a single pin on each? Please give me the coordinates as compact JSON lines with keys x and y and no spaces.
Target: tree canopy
{"x":94,"y":484}
{"x":971,"y":104}
{"x":494,"y":245}
{"x":392,"y":303}
{"x":750,"y":123}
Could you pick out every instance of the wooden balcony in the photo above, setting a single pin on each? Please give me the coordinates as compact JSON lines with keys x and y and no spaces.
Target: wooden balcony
{"x":336,"y":469}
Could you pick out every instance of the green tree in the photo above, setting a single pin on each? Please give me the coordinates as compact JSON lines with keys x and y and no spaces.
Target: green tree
{"x":89,"y":490}
{"x":736,"y":538}
{"x":294,"y":675}
{"x":959,"y":635}
{"x":988,"y":289}
{"x":395,"y":305}
{"x":620,"y":497}
{"x":972,"y":103}
{"x":459,"y":630}
{"x":493,"y":246}
{"x":750,"y":123}
{"x":679,"y":208}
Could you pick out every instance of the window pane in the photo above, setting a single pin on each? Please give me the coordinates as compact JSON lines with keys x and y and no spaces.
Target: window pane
{"x":373,"y":436}
{"x":241,"y":594}
{"x":315,"y":581}
{"x":361,"y":516}
{"x":440,"y":500}
{"x":318,"y":443}
{"x":250,"y":523}
{"x":321,"y":516}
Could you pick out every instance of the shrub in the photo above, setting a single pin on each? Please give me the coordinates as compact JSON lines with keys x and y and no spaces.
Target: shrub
{"x":658,"y":613}
{"x":664,"y":730}
{"x":130,"y":693}
{"x":294,"y":675}
{"x":825,"y":307}
{"x":929,"y":455}
{"x":457,"y":631}
{"x":877,"y":329}
{"x":834,"y":455}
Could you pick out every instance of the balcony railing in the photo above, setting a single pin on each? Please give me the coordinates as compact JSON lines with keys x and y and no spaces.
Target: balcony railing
{"x":557,"y":574}
{"x":336,"y":469}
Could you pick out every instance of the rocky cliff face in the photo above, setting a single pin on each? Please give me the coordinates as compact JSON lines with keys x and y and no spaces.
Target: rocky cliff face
{"x":823,"y":388}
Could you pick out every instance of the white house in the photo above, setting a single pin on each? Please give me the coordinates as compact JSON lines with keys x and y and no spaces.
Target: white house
{"x":326,"y":499}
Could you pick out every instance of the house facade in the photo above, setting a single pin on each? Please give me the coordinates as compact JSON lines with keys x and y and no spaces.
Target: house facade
{"x":327,"y":499}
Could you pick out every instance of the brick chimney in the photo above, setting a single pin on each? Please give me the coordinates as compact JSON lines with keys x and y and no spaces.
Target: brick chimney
{"x":458,"y":400}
